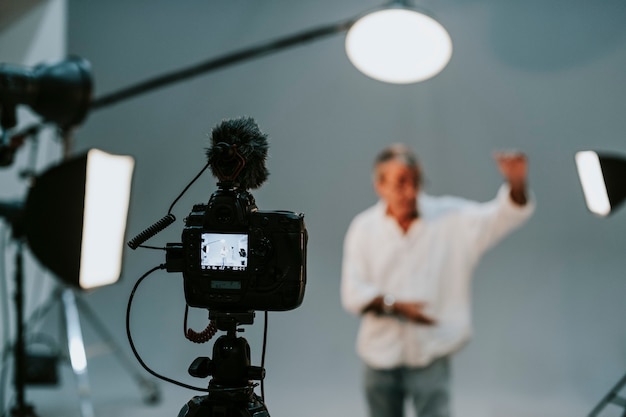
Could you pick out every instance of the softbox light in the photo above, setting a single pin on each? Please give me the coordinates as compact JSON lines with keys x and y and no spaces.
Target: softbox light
{"x":603,"y":179}
{"x":75,"y":218}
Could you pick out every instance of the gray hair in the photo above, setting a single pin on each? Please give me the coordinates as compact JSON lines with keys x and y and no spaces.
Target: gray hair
{"x":397,"y":152}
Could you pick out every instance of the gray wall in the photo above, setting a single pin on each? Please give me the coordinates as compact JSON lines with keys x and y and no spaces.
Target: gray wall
{"x":546,"y":77}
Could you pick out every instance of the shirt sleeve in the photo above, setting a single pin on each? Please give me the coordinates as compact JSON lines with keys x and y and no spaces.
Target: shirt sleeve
{"x":489,"y":222}
{"x":356,"y":291}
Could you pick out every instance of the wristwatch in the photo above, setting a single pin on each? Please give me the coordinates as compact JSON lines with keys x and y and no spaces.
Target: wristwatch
{"x":388,"y":304}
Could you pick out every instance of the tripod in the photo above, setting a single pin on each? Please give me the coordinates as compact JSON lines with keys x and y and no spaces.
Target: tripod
{"x":231,"y":393}
{"x":72,"y":305}
{"x":612,"y":397}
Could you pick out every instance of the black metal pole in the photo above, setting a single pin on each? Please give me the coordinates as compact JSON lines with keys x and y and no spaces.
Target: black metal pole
{"x":210,"y":65}
{"x":220,"y":62}
{"x":22,"y":409}
{"x":612,"y":397}
{"x":20,"y":347}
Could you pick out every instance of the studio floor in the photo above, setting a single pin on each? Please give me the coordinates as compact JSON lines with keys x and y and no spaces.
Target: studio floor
{"x":115,"y":392}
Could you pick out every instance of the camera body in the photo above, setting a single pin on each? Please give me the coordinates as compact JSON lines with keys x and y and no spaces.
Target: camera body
{"x":235,"y":257}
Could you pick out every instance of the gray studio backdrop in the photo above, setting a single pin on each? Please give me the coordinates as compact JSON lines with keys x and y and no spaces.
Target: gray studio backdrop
{"x":546,"y":77}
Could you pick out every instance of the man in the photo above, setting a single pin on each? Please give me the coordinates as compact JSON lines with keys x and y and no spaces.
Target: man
{"x":407,"y":268}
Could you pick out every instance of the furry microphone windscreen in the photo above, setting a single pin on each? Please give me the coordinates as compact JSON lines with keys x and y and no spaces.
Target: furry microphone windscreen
{"x":233,"y":140}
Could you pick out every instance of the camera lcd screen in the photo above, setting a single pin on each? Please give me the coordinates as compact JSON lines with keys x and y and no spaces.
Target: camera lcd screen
{"x":224,"y":251}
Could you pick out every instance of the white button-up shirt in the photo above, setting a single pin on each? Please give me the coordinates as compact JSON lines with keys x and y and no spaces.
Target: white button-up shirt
{"x":432,"y":262}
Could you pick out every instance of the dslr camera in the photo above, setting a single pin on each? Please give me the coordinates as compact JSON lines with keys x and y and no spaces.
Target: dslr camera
{"x":234,"y":257}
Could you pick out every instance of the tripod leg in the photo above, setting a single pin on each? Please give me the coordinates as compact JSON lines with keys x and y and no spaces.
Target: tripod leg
{"x":611,"y":397}
{"x":151,"y":393}
{"x":77,"y":354}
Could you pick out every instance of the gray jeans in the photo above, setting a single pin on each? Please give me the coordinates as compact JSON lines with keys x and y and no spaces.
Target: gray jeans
{"x":427,"y":387}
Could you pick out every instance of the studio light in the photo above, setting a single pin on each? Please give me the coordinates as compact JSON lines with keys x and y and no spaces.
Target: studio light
{"x":603,"y":179}
{"x":75,"y":218}
{"x":398,"y":44}
{"x":60,"y":93}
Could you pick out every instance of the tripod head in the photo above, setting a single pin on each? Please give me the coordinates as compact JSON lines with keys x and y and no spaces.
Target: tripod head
{"x":231,"y":390}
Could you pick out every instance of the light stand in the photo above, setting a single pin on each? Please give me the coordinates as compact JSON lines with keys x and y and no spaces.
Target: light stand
{"x":73,"y":307}
{"x":57,"y":222}
{"x":13,"y":213}
{"x":603,"y":179}
{"x":21,"y":409}
{"x":69,"y":193}
{"x":78,"y":357}
{"x":612,"y":397}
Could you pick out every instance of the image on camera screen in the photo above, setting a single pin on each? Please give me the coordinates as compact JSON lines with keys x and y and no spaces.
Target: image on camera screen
{"x":224,"y":251}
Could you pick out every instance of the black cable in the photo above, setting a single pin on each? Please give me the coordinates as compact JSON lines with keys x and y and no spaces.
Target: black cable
{"x":132,"y":344}
{"x":164,"y":222}
{"x":151,"y":230}
{"x":187,"y":187}
{"x":152,"y":247}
